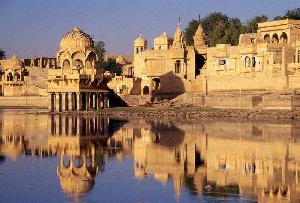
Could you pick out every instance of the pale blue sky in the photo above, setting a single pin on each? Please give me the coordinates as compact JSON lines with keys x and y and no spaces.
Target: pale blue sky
{"x":34,"y":27}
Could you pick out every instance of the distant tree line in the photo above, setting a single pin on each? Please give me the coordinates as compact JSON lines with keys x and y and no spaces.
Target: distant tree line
{"x":2,"y":54}
{"x":221,"y":29}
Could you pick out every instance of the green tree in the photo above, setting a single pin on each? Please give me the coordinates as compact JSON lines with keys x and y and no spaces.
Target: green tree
{"x":100,"y":50}
{"x":233,"y":31}
{"x":109,"y":65}
{"x":190,"y":30}
{"x":252,"y":25}
{"x":220,"y":29}
{"x":214,"y":26}
{"x":2,"y":54}
{"x":112,"y":66}
{"x":290,"y":14}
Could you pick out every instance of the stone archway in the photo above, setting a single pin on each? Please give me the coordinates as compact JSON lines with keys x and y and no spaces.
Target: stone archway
{"x":156,"y":83}
{"x":9,"y":77}
{"x":275,"y":38}
{"x":90,"y":60}
{"x":17,"y":77}
{"x":146,"y":90}
{"x":283,"y":37}
{"x":66,"y":64}
{"x":267,"y":38}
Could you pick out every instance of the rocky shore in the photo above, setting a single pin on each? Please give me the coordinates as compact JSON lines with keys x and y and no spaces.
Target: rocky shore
{"x":193,"y":113}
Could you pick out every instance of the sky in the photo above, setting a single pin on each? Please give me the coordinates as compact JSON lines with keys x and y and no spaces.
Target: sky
{"x":33,"y":28}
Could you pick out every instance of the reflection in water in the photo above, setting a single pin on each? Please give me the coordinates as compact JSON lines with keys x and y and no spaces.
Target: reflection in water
{"x":259,"y":161}
{"x":77,"y":177}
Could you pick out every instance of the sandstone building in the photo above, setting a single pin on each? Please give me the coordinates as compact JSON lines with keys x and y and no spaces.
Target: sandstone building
{"x":75,"y":84}
{"x":260,"y":72}
{"x":167,"y":70}
{"x":24,"y":77}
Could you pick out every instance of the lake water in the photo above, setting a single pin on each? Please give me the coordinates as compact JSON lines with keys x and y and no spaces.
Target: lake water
{"x":47,"y":158}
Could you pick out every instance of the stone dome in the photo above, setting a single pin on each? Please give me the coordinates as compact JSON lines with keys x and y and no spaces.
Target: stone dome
{"x":76,"y":181}
{"x":140,"y":41}
{"x":76,"y":40}
{"x":13,"y":62}
{"x":76,"y":186}
{"x":162,"y":38}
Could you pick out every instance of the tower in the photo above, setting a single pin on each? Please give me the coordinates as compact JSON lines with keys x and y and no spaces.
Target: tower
{"x":140,"y":44}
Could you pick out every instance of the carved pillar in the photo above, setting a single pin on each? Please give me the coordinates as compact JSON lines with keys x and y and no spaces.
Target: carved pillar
{"x":102,"y":100}
{"x":98,"y":101}
{"x":79,"y":101}
{"x":51,"y":102}
{"x":68,"y":101}
{"x":95,"y":101}
{"x":63,"y":125}
{"x":87,"y":130}
{"x":63,"y":102}
{"x":57,"y":102}
{"x":78,"y":126}
{"x":106,"y":100}
{"x":87,"y":99}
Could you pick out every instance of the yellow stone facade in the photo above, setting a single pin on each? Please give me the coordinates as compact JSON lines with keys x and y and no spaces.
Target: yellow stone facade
{"x":75,"y":84}
{"x":167,"y":70}
{"x":260,"y":72}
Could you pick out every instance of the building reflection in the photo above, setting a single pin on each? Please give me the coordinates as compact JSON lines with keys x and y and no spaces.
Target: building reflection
{"x":78,"y":141}
{"x":257,"y":160}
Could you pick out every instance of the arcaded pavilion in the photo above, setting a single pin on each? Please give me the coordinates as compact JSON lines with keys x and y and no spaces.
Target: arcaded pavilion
{"x":75,"y":84}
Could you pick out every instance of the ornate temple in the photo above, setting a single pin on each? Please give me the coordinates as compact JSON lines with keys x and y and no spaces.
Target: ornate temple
{"x":75,"y":84}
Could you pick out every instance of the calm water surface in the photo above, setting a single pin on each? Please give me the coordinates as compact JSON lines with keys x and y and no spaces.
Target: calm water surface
{"x":93,"y":159}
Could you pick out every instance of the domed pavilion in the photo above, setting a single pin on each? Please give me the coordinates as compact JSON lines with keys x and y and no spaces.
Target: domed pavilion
{"x":76,"y":84}
{"x":12,"y":76}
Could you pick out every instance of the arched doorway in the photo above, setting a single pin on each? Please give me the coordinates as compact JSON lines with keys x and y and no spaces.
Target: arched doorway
{"x":156,"y":83}
{"x":247,"y":61}
{"x":90,"y":61}
{"x":78,"y":64}
{"x":66,"y":64}
{"x":9,"y":77}
{"x":146,"y":90}
{"x":17,"y":77}
{"x":275,"y":38}
{"x":267,"y":38}
{"x":283,"y":38}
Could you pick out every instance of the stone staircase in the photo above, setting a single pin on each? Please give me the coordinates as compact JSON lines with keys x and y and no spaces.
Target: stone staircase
{"x":136,"y":100}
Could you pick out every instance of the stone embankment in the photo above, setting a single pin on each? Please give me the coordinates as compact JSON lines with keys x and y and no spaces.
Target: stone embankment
{"x":200,"y":113}
{"x":193,"y":113}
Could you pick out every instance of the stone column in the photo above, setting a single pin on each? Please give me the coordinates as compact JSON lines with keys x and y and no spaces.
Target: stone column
{"x":78,"y":126}
{"x":87,"y":101}
{"x":52,"y":125}
{"x":51,"y":102}
{"x":106,"y":100}
{"x":87,"y":130}
{"x":63,"y":125}
{"x":57,"y":102}
{"x":79,"y":101}
{"x":98,"y":101}
{"x":95,"y":101}
{"x":63,"y":102}
{"x":49,"y":124}
{"x":102,"y":100}
{"x":70,"y":101}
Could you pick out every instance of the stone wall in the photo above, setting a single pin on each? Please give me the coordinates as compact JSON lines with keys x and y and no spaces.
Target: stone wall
{"x":24,"y":102}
